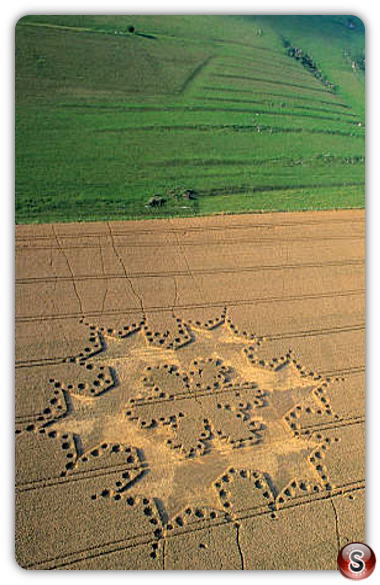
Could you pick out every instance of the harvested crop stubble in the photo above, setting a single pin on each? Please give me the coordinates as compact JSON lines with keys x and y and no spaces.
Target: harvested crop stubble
{"x":187,"y":387}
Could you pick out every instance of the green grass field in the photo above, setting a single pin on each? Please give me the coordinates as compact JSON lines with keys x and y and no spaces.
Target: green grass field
{"x":106,"y":119}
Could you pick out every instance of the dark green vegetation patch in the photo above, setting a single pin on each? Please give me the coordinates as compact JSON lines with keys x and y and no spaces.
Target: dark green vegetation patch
{"x":123,"y":117}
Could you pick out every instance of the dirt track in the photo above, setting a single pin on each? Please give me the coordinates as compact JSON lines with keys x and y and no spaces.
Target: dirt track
{"x":190,"y":393}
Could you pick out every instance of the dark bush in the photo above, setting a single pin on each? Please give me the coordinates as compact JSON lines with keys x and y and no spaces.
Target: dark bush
{"x":156,"y":201}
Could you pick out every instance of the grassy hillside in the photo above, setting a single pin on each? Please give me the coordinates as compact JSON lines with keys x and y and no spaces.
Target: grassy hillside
{"x":249,"y":113}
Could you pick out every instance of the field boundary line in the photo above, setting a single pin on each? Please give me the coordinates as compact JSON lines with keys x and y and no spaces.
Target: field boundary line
{"x":189,"y":272}
{"x":315,"y":332}
{"x":344,"y":371}
{"x":346,"y":422}
{"x":233,"y":128}
{"x":47,"y":361}
{"x":263,"y":240}
{"x":205,"y":305}
{"x":46,"y":482}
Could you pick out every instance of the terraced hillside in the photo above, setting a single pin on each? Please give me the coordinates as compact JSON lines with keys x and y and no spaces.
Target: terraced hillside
{"x":208,"y":113}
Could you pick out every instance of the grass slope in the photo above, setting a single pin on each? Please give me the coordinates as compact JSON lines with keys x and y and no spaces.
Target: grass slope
{"x":106,"y":119}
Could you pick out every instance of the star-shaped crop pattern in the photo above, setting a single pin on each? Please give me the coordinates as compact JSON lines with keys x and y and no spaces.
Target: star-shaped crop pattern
{"x":184,"y":414}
